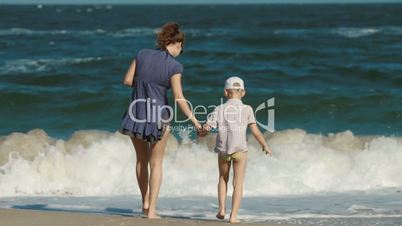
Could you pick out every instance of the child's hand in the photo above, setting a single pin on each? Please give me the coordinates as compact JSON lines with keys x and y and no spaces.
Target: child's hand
{"x":267,"y":150}
{"x":206,"y":127}
{"x":202,"y":131}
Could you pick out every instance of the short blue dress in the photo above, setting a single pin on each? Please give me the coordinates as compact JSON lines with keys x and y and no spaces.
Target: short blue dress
{"x":147,"y":115}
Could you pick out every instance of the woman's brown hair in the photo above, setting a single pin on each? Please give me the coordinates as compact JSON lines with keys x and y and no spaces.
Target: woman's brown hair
{"x":169,"y":34}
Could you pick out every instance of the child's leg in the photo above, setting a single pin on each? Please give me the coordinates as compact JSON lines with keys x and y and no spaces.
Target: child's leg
{"x":239,"y":169}
{"x":224,"y":169}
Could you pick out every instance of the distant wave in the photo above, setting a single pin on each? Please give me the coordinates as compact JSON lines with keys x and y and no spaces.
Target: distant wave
{"x":351,"y":32}
{"x":127,"y":32}
{"x":119,"y":33}
{"x":132,"y":32}
{"x":355,"y":32}
{"x":348,"y":32}
{"x":102,"y":163}
{"x":38,"y":65}
{"x":25,"y":31}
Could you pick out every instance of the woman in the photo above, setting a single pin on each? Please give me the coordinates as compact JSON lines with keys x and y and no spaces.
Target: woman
{"x":151,"y":74}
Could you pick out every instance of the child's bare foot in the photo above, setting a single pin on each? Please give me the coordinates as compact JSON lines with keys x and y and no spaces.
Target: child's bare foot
{"x":152,"y":215}
{"x":233,"y":219}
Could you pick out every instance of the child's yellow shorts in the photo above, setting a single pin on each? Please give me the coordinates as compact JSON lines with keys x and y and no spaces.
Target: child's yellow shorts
{"x":233,"y":156}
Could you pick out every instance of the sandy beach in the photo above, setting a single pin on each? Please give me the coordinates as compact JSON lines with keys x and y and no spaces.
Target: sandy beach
{"x":15,"y":217}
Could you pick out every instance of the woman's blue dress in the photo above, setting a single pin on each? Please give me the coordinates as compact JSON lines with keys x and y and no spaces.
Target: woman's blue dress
{"x":148,"y":111}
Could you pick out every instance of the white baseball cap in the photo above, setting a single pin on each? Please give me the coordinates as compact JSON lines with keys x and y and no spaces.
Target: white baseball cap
{"x":234,"y":82}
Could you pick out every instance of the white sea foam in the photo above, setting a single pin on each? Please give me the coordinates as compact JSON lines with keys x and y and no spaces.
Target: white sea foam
{"x":102,"y":163}
{"x":352,"y":32}
{"x":356,"y":32}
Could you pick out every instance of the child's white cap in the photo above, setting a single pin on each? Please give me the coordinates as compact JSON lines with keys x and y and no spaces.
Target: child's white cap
{"x":234,"y":83}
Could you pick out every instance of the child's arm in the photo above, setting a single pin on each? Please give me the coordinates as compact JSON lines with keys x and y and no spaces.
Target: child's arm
{"x":257,"y":134}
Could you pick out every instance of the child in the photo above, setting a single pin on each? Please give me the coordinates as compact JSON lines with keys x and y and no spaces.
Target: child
{"x":231,"y":120}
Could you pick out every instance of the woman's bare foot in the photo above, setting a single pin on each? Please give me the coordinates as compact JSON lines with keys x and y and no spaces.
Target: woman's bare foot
{"x":220,"y":215}
{"x":145,"y":208}
{"x":145,"y":211}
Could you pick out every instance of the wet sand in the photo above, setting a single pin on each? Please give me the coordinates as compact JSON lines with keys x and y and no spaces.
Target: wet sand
{"x":17,"y":217}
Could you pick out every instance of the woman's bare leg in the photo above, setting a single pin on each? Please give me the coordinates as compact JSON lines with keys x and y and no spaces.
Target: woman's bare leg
{"x":156,"y":160}
{"x":141,"y":169}
{"x":224,"y":169}
{"x":239,"y":169}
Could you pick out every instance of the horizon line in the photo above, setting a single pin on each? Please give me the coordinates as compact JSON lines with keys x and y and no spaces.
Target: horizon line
{"x":216,"y":3}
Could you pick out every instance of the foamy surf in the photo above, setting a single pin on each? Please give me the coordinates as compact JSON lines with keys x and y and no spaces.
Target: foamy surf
{"x":100,"y":163}
{"x":350,"y":208}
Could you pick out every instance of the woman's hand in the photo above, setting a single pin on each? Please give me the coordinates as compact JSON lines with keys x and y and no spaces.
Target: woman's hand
{"x":129,"y":77}
{"x":198,"y":126}
{"x":175,"y":82}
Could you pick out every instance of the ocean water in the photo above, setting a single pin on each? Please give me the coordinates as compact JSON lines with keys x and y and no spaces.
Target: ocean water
{"x":330,"y":68}
{"x":335,"y":72}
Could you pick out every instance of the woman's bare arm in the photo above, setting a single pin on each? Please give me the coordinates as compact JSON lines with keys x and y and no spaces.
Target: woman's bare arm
{"x":175,"y":82}
{"x":129,"y":77}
